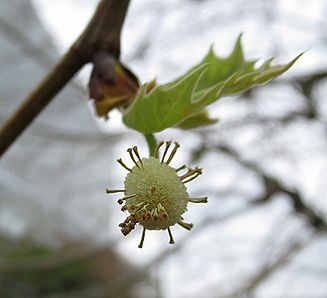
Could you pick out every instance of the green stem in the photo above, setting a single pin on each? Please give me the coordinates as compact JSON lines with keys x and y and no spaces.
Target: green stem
{"x":152,"y":143}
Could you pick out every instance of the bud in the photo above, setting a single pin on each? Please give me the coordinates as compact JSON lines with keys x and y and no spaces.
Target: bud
{"x":111,"y":84}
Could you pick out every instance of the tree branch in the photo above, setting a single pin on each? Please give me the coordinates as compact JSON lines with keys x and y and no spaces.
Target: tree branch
{"x":272,"y":185}
{"x":268,"y":269}
{"x":102,"y":34}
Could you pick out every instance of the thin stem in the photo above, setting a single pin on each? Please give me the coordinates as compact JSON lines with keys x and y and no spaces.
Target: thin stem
{"x":152,"y":143}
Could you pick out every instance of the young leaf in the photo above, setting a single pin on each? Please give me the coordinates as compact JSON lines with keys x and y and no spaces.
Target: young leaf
{"x":171,"y":104}
{"x":201,"y":119}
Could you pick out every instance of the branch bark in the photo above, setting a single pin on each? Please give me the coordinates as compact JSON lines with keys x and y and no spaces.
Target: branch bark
{"x":101,"y":35}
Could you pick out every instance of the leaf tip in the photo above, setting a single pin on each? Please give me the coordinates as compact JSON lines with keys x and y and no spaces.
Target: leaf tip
{"x":239,"y":38}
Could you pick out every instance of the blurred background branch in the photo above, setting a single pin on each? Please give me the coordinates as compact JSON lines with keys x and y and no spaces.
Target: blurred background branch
{"x":272,"y":186}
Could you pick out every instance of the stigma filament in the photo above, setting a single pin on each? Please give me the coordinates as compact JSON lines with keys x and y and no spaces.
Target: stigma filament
{"x":130,"y":151}
{"x":120,"y":161}
{"x":191,"y":174}
{"x":172,"y":153}
{"x":199,"y":200}
{"x":185,"y":225}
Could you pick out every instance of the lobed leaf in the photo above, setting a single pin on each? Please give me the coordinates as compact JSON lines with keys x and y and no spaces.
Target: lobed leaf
{"x":201,"y":119}
{"x":186,"y":97}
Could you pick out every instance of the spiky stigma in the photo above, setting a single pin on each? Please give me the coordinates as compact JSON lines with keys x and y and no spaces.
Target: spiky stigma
{"x":155,"y":195}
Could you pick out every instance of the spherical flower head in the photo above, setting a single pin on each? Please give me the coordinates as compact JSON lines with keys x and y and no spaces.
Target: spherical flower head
{"x":155,"y":195}
{"x":157,"y":184}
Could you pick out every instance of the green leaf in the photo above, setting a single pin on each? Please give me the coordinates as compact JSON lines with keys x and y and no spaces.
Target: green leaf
{"x":201,"y":119}
{"x":170,"y":104}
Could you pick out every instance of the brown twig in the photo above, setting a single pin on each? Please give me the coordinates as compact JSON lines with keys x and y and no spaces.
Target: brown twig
{"x":101,"y":35}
